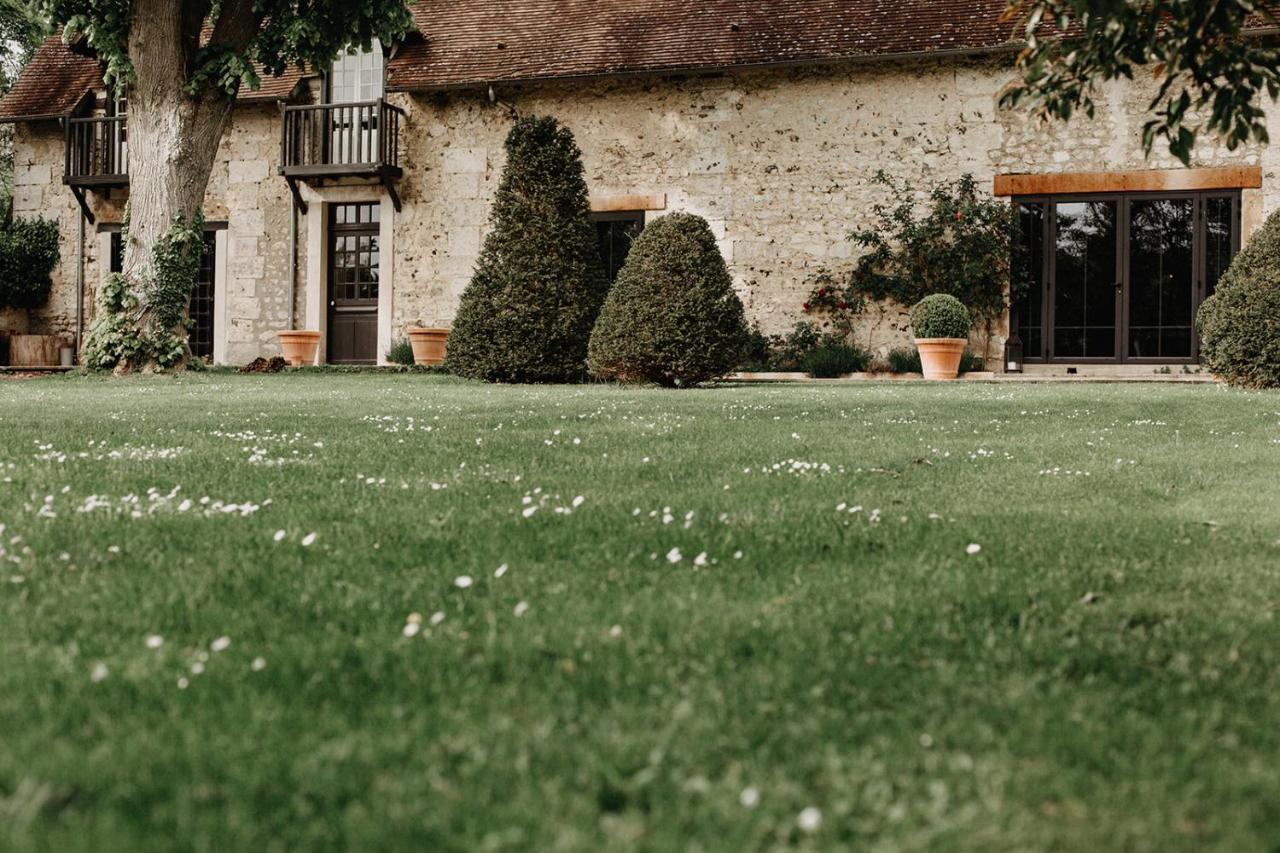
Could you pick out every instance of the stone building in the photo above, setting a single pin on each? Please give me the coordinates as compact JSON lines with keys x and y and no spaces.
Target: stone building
{"x":355,"y":201}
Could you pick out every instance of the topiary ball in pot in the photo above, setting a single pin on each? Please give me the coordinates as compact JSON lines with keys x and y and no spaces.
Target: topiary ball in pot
{"x":1239,"y":324}
{"x":941,"y":326}
{"x":672,"y":317}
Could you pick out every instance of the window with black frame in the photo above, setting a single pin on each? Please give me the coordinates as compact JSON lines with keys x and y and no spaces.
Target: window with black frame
{"x":1118,"y":277}
{"x":615,"y":232}
{"x":200,"y":310}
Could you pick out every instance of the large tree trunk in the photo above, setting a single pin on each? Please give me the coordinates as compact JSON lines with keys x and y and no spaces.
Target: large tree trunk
{"x":173,"y":135}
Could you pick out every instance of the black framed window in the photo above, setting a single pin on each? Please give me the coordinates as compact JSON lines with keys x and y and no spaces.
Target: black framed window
{"x":200,"y":309}
{"x":1119,"y":276}
{"x":614,"y":232}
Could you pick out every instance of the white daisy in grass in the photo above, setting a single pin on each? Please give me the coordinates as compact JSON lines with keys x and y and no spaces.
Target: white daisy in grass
{"x":99,"y":672}
{"x":521,"y":609}
{"x":259,"y":664}
{"x":463,"y":581}
{"x":308,"y":540}
{"x":972,"y":548}
{"x":279,"y":535}
{"x":437,"y":617}
{"x":155,"y":641}
{"x":500,"y":571}
{"x":810,"y":819}
{"x":221,"y":644}
{"x":674,"y":556}
{"x":750,"y":797}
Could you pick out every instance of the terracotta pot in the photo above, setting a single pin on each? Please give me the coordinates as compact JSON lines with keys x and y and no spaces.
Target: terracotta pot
{"x":299,"y":346}
{"x":940,"y":357}
{"x":428,"y":345}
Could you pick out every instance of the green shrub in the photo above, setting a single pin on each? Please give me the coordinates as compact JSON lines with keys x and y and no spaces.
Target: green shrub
{"x":904,"y":360}
{"x":28,"y":253}
{"x":401,"y":352}
{"x":1240,"y":323}
{"x":965,"y":244}
{"x":827,"y":362}
{"x":971,"y":362}
{"x":672,"y":316}
{"x":940,"y":316}
{"x":527,"y":314}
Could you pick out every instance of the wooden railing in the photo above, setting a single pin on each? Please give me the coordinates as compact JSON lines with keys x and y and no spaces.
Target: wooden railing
{"x":337,"y":139}
{"x":97,"y":151}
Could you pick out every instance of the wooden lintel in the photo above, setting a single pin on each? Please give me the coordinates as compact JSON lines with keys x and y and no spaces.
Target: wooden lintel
{"x":614,"y":203}
{"x":1138,"y":180}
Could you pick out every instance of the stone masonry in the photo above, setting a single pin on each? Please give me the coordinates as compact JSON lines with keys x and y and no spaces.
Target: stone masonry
{"x":779,"y":161}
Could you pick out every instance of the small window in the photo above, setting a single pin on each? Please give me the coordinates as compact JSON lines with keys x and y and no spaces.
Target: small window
{"x":615,"y":231}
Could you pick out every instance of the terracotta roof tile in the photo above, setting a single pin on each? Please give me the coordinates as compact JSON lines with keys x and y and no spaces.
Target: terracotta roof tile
{"x":56,"y":78}
{"x":52,"y":83}
{"x":470,"y":43}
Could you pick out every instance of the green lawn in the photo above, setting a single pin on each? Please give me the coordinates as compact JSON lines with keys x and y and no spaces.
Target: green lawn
{"x":696,"y":639}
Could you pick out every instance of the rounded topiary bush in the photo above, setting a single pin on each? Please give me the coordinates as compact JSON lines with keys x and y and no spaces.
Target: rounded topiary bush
{"x":527,"y":314}
{"x":940,"y":316}
{"x":1239,"y":324}
{"x":672,"y":316}
{"x":28,"y":253}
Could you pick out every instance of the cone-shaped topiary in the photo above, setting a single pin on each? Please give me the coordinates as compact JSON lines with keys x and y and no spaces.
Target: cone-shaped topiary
{"x":1240,"y":323}
{"x":538,"y":285}
{"x":672,"y":316}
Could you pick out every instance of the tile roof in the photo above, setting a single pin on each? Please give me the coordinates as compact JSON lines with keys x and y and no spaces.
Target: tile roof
{"x":57,"y":77}
{"x":471,"y":43}
{"x":52,"y":83}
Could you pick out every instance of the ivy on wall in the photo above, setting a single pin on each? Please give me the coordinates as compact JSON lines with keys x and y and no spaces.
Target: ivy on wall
{"x":144,"y":323}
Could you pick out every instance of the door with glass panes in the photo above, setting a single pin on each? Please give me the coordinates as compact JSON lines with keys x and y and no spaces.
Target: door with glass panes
{"x":1119,"y":277}
{"x":355,"y":83}
{"x":353,"y":284}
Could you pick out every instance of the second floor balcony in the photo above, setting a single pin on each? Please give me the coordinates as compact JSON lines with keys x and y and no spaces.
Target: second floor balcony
{"x":342,"y":140}
{"x":97,"y":152}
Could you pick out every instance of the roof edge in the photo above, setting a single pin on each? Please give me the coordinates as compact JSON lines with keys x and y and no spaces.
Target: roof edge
{"x":675,"y":71}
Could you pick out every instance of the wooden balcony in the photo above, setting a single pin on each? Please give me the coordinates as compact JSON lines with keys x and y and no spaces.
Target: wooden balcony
{"x":352,"y":140}
{"x":96,"y":156}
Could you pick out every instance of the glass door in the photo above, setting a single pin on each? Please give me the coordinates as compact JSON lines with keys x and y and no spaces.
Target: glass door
{"x":1085,"y":280}
{"x":355,"y":83}
{"x":1160,"y":279}
{"x":1119,"y":277}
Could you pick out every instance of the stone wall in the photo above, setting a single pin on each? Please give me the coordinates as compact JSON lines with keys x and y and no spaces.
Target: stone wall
{"x":779,"y":161}
{"x":244,"y":192}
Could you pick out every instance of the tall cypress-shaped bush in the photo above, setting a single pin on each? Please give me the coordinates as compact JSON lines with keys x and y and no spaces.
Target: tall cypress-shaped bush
{"x":672,"y":316}
{"x":538,"y":285}
{"x":1240,"y":323}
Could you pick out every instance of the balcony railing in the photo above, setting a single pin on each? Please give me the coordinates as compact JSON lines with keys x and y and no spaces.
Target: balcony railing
{"x":97,"y":152}
{"x":334,"y":140}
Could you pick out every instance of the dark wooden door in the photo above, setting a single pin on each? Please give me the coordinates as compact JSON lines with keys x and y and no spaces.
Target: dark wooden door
{"x":353,"y":284}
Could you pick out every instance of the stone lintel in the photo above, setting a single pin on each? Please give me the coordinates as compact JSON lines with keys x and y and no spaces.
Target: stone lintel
{"x":614,"y":203}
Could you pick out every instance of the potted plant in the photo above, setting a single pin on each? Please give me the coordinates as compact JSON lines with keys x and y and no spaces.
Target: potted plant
{"x":299,"y":346}
{"x":940,"y":324}
{"x":428,"y":344}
